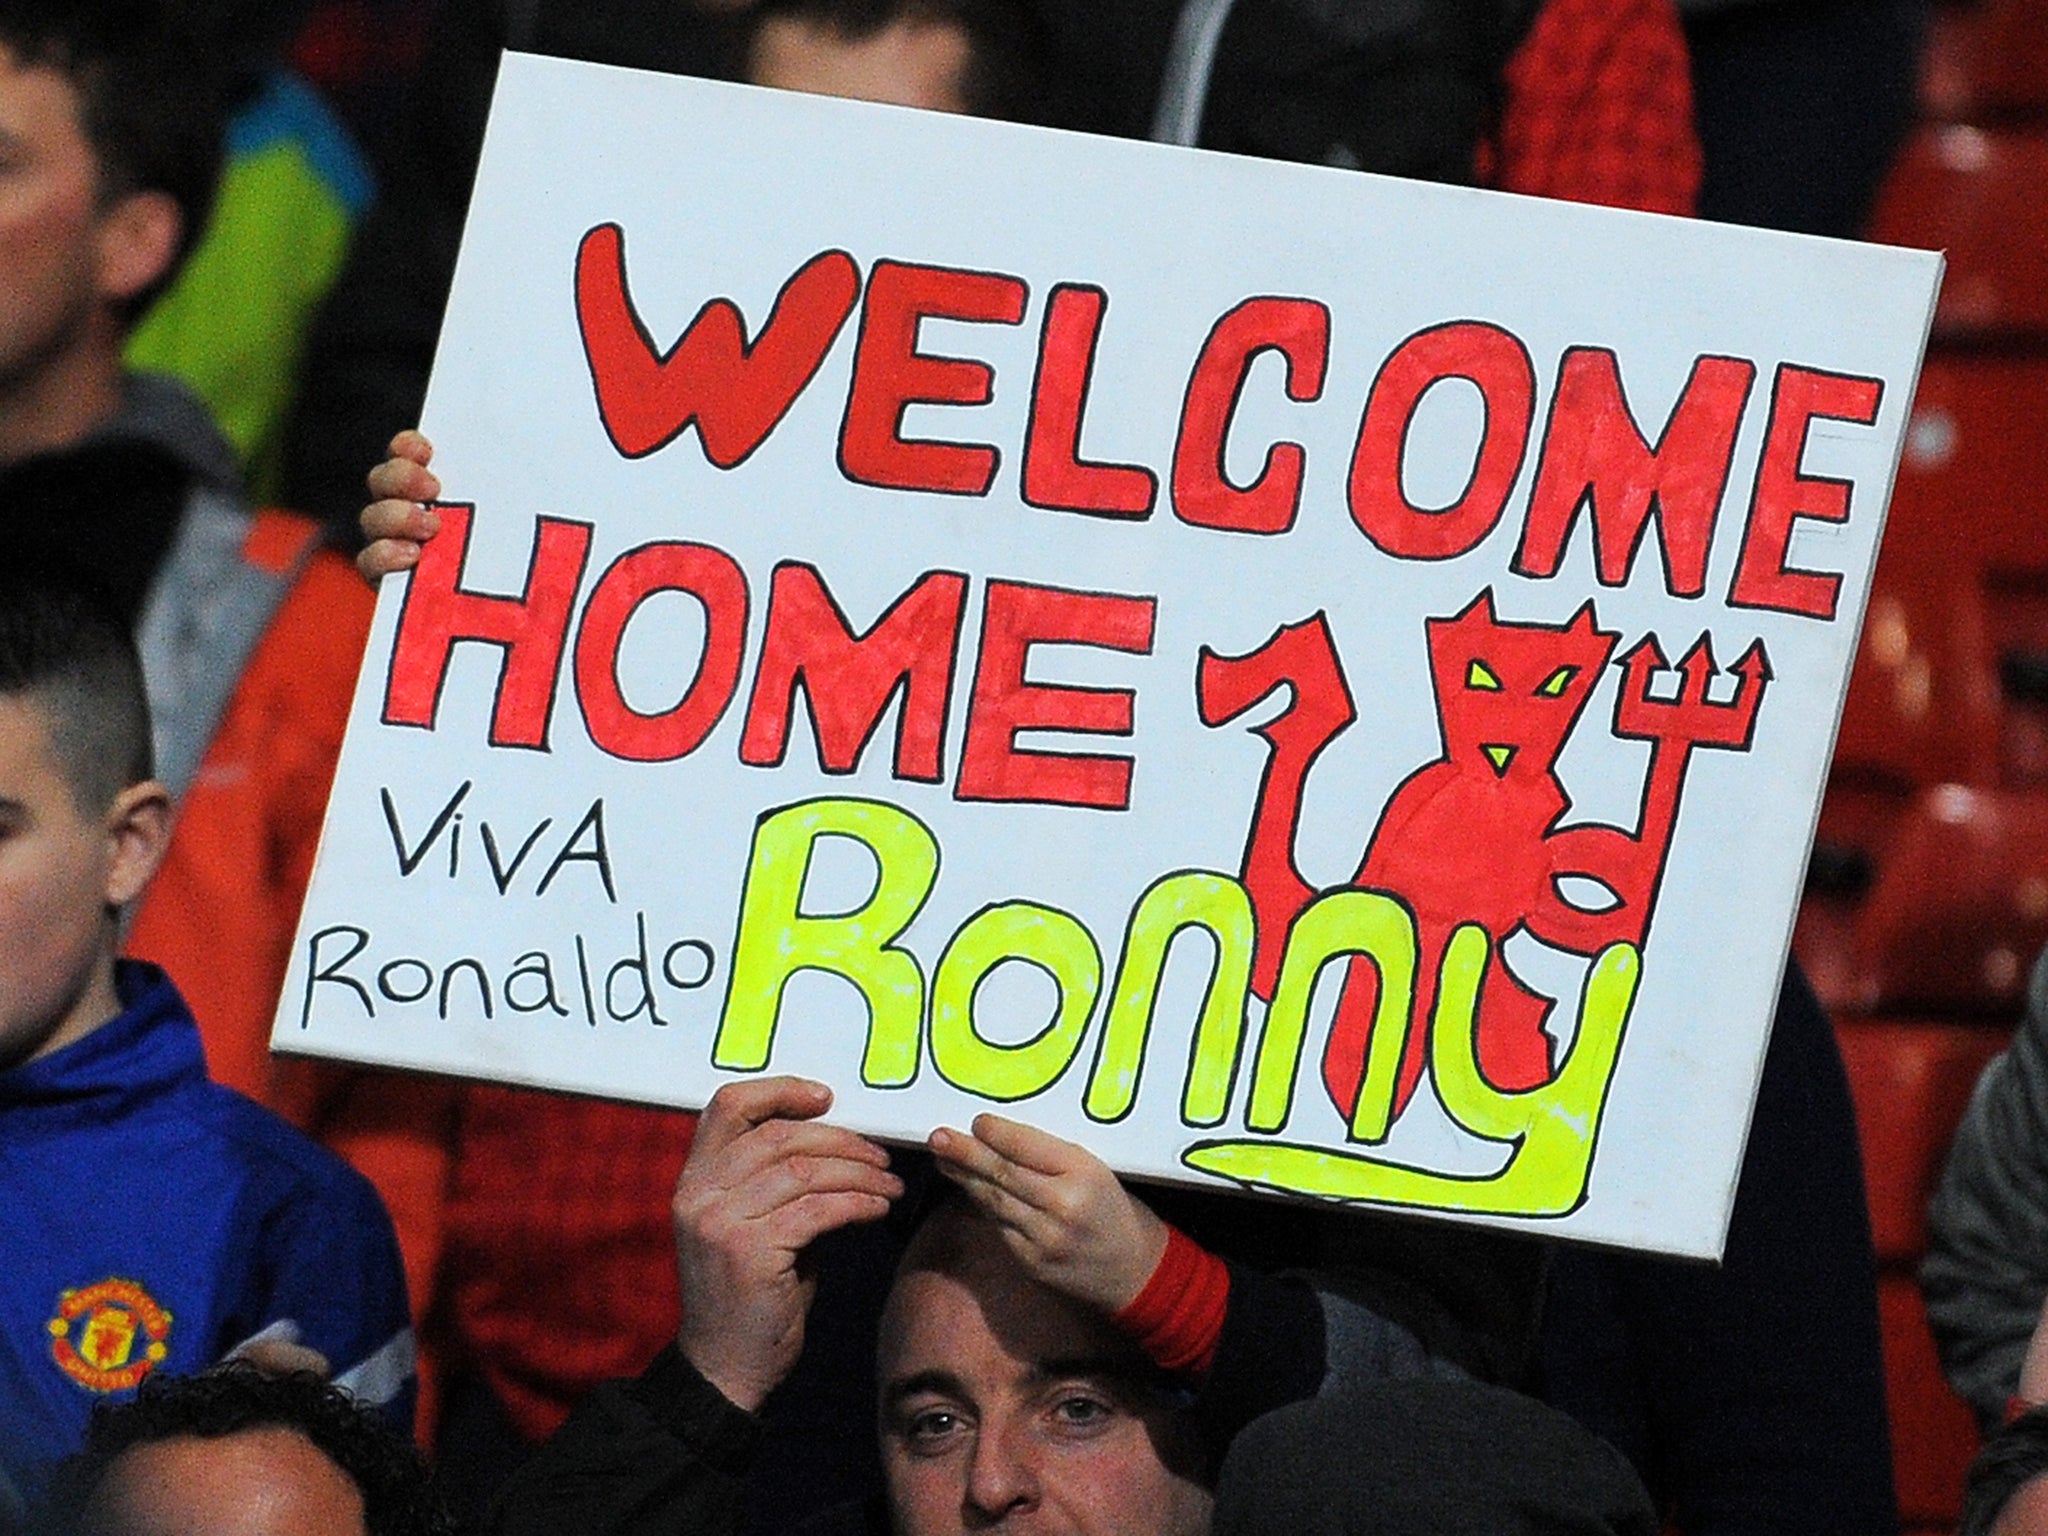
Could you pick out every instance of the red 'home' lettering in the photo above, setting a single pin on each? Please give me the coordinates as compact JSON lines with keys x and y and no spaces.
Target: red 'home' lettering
{"x":1055,"y":476}
{"x":1799,"y":396}
{"x":1498,"y":364}
{"x":734,"y":391}
{"x":1298,"y":329}
{"x":890,"y":374}
{"x":1595,"y":456}
{"x":530,"y":627}
{"x":1016,"y":617}
{"x":714,"y":579}
{"x":850,"y":679}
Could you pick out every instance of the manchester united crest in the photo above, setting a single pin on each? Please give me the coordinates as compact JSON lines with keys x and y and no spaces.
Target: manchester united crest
{"x":107,"y":1337}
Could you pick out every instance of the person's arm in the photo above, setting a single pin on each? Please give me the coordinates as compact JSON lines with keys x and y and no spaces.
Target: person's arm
{"x":665,"y":1454}
{"x":325,"y":1275}
{"x":670,"y":1451}
{"x":1597,"y":108}
{"x":1986,"y":1270}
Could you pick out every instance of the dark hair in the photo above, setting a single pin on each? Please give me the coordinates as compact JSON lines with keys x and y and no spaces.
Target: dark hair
{"x":397,"y":1491}
{"x":1006,"y":75}
{"x":63,"y":645}
{"x":153,"y":83}
{"x":2013,"y":1457}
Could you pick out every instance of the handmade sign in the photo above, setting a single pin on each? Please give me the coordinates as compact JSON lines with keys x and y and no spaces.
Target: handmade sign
{"x":1298,"y":681}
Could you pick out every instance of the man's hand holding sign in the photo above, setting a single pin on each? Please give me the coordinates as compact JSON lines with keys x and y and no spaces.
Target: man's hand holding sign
{"x":766,"y":1178}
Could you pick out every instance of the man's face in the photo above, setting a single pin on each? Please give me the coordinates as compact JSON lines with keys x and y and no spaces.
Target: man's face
{"x":1004,"y":1406}
{"x":56,"y":870}
{"x":50,"y":220}
{"x":907,"y":63}
{"x":259,"y":1482}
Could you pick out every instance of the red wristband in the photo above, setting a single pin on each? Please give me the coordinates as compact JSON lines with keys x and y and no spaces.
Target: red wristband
{"x":1177,"y":1318}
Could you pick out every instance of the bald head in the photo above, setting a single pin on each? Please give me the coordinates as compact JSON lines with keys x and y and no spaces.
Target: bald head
{"x":245,"y":1451}
{"x":266,"y":1481}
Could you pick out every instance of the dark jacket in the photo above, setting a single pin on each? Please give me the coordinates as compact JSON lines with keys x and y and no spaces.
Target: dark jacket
{"x":1749,"y":1395}
{"x":665,"y":1454}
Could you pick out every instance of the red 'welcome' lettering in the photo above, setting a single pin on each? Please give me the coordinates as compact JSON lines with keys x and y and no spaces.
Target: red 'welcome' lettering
{"x":735,"y":391}
{"x":1299,"y":330}
{"x":1799,"y":396}
{"x":890,"y":375}
{"x":1595,"y":456}
{"x":1491,"y":358}
{"x":1055,"y":475}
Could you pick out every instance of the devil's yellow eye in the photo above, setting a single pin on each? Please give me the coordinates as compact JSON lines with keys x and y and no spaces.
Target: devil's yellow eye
{"x":1555,"y":684}
{"x":1480,"y":675}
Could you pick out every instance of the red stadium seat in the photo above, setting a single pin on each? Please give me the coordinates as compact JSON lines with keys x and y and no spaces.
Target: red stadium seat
{"x":1962,"y":580}
{"x":1823,"y":941}
{"x":1970,"y":484}
{"x":2016,"y":624}
{"x":1921,"y":709}
{"x":1987,"y":60}
{"x":1934,"y":1434}
{"x":1911,"y":1081}
{"x":1951,"y":680}
{"x":1858,"y":820}
{"x":1960,"y":908}
{"x":1980,"y":195}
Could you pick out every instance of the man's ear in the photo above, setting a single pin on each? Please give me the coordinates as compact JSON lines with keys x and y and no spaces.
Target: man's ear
{"x":138,"y":241}
{"x":138,"y":831}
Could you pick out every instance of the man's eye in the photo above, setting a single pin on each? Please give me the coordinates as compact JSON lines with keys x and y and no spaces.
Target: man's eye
{"x":930,"y":1430}
{"x":1081,"y":1412}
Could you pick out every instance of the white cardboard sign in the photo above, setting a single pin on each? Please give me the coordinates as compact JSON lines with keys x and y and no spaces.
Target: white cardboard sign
{"x":1299,"y":681}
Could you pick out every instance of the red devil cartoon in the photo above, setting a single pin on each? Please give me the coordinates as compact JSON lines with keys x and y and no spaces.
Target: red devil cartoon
{"x":1475,"y":836}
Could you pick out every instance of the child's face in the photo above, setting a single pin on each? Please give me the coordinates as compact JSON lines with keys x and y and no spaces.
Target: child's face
{"x":59,"y":869}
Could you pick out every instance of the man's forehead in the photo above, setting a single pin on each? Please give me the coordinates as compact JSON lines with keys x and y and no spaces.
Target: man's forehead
{"x":911,"y":62}
{"x":266,"y":1480}
{"x":42,"y":83}
{"x":984,"y":1312}
{"x":41,"y":110}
